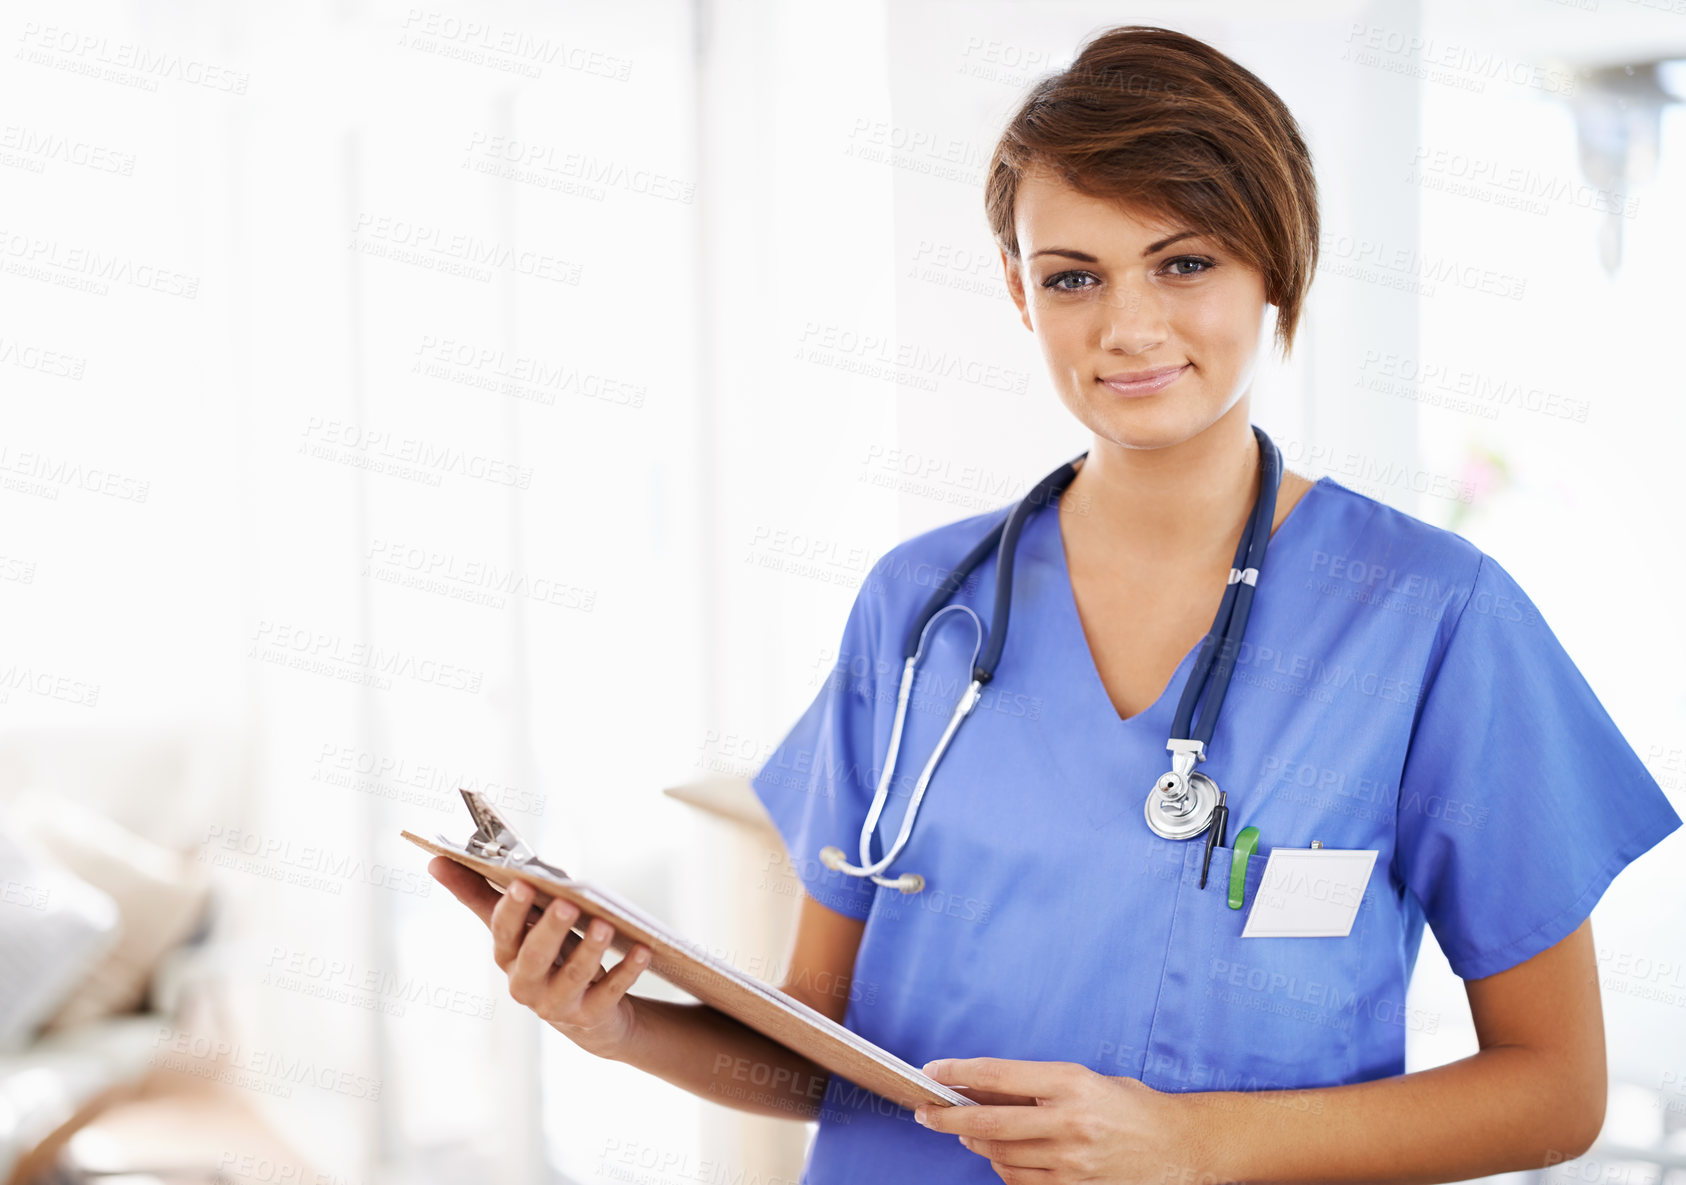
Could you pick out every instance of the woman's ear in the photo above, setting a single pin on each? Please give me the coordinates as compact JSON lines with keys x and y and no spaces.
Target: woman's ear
{"x":1015,"y":286}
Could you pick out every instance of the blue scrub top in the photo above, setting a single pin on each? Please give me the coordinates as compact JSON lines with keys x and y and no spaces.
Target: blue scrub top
{"x":1396,"y":690}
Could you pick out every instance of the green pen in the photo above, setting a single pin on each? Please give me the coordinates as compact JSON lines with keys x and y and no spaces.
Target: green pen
{"x":1246,"y":843}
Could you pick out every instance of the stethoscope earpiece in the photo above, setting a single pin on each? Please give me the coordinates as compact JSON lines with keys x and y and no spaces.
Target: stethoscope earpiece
{"x":908,"y":882}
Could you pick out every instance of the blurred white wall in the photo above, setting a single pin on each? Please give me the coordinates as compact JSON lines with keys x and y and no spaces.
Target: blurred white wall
{"x":514,"y":395}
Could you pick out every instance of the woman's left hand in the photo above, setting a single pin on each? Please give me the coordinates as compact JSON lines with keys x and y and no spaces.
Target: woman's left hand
{"x":1072,"y":1124}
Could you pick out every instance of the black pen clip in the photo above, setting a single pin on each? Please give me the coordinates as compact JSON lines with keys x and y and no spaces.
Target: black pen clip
{"x":1214,"y":835}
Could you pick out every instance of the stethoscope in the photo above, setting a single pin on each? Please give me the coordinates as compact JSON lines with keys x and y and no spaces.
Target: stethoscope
{"x":1183,"y":802}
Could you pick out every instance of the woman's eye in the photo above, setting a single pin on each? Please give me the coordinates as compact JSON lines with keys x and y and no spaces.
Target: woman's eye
{"x":1206,"y":265}
{"x":1057,"y":282}
{"x":1076,"y":281}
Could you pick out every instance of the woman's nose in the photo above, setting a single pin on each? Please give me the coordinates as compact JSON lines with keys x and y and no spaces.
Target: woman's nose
{"x":1132,"y":317}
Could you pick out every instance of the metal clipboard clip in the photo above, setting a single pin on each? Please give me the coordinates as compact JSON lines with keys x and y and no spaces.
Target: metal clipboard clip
{"x":495,"y":840}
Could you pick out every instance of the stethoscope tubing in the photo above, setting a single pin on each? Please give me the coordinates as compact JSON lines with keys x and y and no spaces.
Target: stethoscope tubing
{"x":1216,"y":660}
{"x":1213,"y":667}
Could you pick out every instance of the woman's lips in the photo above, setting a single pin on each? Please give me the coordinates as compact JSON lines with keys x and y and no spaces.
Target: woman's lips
{"x":1146,"y":386}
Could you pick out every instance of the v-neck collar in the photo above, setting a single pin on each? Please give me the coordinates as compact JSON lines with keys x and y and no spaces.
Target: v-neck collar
{"x":1051,"y":544}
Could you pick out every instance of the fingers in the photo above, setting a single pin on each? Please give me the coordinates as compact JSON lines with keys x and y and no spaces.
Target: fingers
{"x":574,"y":976}
{"x":551,"y":970}
{"x":993,"y":1098}
{"x":539,"y":949}
{"x":1033,"y":1158}
{"x":602,"y":997}
{"x":509,"y":923}
{"x":989,"y":1078}
{"x":1035,"y":1079}
{"x":990,"y":1123}
{"x":465,"y":885}
{"x":626,"y":972}
{"x":579,"y":993}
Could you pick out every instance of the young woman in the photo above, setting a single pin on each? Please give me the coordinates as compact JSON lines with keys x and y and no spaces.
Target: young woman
{"x":1394,"y":692}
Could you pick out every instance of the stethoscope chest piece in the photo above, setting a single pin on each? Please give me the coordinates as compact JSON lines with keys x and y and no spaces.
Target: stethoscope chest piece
{"x":1181,"y":805}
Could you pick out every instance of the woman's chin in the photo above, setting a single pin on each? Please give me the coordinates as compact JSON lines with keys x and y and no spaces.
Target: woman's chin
{"x":1139,"y":423}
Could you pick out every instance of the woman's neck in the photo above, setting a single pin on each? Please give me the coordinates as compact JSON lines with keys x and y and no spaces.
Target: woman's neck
{"x":1185,"y":505}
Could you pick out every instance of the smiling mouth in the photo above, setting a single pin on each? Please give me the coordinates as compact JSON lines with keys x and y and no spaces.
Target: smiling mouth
{"x":1148,"y":383}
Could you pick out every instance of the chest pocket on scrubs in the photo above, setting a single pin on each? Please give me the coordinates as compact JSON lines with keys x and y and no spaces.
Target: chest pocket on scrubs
{"x":1238,"y":1013}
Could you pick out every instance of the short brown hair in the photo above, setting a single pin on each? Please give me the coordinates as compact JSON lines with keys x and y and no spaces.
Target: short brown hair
{"x":1163,"y":122}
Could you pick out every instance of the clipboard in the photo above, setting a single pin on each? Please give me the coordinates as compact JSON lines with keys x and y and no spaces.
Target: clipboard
{"x":501,"y":857}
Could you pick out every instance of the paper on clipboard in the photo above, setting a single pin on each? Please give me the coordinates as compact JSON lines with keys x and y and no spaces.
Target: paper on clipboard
{"x":503,"y":858}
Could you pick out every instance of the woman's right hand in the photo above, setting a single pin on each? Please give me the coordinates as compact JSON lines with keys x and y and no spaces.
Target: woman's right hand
{"x":578,"y":999}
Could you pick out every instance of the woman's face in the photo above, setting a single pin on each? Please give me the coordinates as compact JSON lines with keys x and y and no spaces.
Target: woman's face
{"x":1107,"y":297}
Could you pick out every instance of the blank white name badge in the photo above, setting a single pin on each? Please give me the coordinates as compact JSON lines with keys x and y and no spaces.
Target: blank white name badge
{"x":1309,"y":893}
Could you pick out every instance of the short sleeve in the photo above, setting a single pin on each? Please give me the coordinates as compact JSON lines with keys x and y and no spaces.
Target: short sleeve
{"x":818,"y":784}
{"x":1519,"y":800}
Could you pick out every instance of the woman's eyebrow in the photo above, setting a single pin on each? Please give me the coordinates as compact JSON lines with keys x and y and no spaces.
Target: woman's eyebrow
{"x":1085,"y":257}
